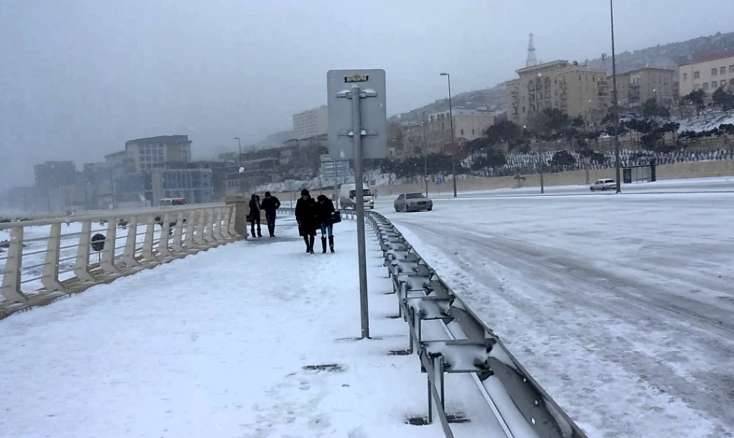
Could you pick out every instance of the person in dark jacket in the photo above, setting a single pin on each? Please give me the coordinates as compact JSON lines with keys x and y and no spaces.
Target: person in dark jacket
{"x":326,"y":211}
{"x":307,"y":215}
{"x":254,"y":215}
{"x":270,"y":204}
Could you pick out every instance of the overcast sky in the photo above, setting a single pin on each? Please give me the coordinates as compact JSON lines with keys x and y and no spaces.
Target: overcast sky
{"x":79,"y":77}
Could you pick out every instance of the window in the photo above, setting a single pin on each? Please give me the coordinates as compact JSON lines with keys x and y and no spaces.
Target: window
{"x":714,"y":71}
{"x":696,"y":86}
{"x":731,"y":69}
{"x":706,"y":86}
{"x":723,"y":83}
{"x":714,"y":85}
{"x":696,"y":75}
{"x":731,"y":82}
{"x":462,"y":131}
{"x":685,"y":76}
{"x":722,"y":70}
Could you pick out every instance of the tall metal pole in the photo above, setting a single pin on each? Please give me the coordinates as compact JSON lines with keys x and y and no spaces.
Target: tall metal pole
{"x":359,"y":197}
{"x":425,"y":153}
{"x":615,"y":103}
{"x":453,"y":134}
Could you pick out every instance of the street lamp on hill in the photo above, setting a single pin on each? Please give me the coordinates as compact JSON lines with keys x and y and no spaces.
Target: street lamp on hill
{"x":453,"y":135}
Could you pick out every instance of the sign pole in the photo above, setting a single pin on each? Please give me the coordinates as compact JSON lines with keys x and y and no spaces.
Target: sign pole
{"x":359,"y":197}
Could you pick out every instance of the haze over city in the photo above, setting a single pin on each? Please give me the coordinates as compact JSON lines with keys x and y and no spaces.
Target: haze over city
{"x":80,"y":78}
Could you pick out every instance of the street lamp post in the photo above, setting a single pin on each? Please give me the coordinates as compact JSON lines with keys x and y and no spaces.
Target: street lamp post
{"x":239,"y":150}
{"x":615,"y":103}
{"x":453,"y":134}
{"x":425,"y":153}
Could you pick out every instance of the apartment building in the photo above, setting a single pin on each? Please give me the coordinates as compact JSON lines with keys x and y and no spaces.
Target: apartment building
{"x":469,"y":124}
{"x":708,"y":74}
{"x":638,"y":86}
{"x":311,"y":123}
{"x":575,"y":89}
{"x":150,"y":153}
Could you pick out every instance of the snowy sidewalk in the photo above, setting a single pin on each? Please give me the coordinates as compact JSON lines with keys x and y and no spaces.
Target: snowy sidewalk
{"x":253,"y":339}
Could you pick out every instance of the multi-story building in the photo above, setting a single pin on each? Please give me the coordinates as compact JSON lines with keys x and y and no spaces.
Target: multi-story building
{"x":311,"y":123}
{"x":708,"y":73}
{"x":52,"y":174}
{"x":194,"y":185}
{"x":638,"y":86}
{"x":574,"y":89}
{"x":469,"y":124}
{"x":150,"y":153}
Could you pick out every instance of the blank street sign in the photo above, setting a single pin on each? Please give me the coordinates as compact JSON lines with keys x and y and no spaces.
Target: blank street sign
{"x":374,"y":113}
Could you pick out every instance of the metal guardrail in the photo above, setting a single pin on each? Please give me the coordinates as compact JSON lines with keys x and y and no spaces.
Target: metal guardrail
{"x":42,"y":263}
{"x":521,"y":406}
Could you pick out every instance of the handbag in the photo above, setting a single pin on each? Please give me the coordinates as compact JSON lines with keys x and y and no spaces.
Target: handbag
{"x":336,"y":217}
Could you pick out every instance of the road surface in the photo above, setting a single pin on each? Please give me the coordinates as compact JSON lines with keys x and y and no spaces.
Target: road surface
{"x":622,"y":306}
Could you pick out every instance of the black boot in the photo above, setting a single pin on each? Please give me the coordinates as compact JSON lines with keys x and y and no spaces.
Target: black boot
{"x":310,"y":241}
{"x":331,"y":243}
{"x":308,"y":248}
{"x":323,"y":245}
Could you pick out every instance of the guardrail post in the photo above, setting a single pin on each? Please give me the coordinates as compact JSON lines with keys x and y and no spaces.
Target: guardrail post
{"x":163,"y":240}
{"x":231,"y":217}
{"x":148,"y":242}
{"x":178,"y":233}
{"x":13,"y":264}
{"x":131,"y":242}
{"x":108,"y":252}
{"x":50,"y":279}
{"x":81,"y":268}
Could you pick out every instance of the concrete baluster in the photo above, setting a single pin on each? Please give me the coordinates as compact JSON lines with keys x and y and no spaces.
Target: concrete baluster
{"x":200,"y":228}
{"x":50,"y":278}
{"x":227,"y":224}
{"x":131,"y":242}
{"x":163,"y":241}
{"x":81,"y":268}
{"x":232,"y":221}
{"x":108,"y":253}
{"x":148,"y":242}
{"x":178,"y":233}
{"x":190,"y":227}
{"x":13,"y":264}
{"x":221,"y":223}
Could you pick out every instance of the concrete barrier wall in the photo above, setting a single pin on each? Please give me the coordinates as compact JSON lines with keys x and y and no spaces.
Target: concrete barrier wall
{"x":466,"y":183}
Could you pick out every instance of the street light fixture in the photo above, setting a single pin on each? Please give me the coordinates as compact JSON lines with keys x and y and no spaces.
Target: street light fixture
{"x":615,"y":103}
{"x":239,"y":149}
{"x":453,"y":134}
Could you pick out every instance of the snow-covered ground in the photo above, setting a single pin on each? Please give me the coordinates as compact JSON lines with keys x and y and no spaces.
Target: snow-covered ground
{"x":252,"y":339}
{"x":706,"y":121}
{"x":622,"y":307}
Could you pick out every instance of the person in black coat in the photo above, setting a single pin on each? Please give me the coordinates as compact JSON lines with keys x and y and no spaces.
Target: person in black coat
{"x":326,"y":212}
{"x":254,"y":215}
{"x":270,"y":204}
{"x":307,"y":215}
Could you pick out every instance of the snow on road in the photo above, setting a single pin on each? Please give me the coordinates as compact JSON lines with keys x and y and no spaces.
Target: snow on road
{"x":252,"y":339}
{"x":621,"y":306}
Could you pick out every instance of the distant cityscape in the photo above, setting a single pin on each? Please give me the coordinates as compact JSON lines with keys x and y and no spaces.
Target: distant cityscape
{"x":148,"y":170}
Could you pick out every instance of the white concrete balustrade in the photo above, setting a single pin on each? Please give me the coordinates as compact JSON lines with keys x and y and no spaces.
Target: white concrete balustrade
{"x":130,"y":240}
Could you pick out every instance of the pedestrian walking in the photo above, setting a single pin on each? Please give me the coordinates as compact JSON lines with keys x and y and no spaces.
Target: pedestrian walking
{"x":270,"y":204}
{"x":254,"y":215}
{"x":307,"y":216}
{"x":327,"y":218}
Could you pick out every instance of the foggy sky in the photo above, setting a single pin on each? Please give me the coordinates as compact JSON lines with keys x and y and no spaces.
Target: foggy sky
{"x":79,"y":77}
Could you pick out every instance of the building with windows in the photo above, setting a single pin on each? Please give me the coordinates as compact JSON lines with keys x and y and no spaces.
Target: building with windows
{"x":150,"y":153}
{"x":51,"y":174}
{"x":638,"y":86}
{"x":311,"y":123}
{"x":708,"y":74}
{"x":193,"y":184}
{"x":574,"y":89}
{"x":469,"y":124}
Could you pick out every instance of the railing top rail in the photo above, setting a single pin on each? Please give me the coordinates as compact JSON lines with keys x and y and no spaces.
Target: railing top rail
{"x":95,"y":215}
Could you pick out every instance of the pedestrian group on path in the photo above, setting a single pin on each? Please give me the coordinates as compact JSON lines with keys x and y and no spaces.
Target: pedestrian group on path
{"x":311,"y":214}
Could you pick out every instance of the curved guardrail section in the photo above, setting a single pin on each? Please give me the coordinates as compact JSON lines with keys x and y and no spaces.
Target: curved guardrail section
{"x":45,"y":259}
{"x":521,"y":406}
